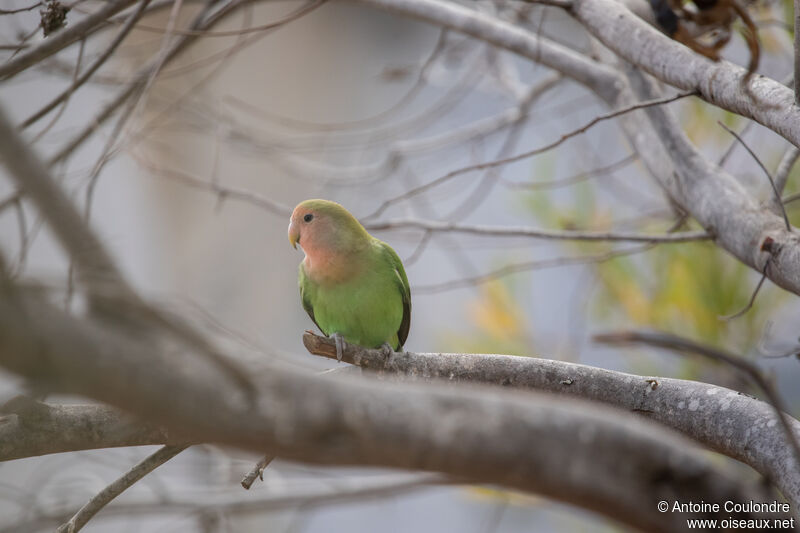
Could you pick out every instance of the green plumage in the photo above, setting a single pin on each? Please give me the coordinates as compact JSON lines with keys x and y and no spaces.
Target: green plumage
{"x":352,"y":283}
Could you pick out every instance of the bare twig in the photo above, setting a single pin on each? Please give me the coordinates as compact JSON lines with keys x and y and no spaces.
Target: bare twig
{"x":257,"y":472}
{"x":436,"y":226}
{"x":575,"y":178}
{"x":775,"y":190}
{"x":203,"y":20}
{"x":54,"y":120}
{"x":222,"y":192}
{"x":752,"y":300}
{"x":499,"y":162}
{"x":19,"y":10}
{"x":285,"y":496}
{"x":104,"y":497}
{"x":74,"y":32}
{"x":107,"y":52}
{"x":95,"y":266}
{"x":782,"y":173}
{"x":526,"y":266}
{"x":796,"y":13}
{"x":401,"y":103}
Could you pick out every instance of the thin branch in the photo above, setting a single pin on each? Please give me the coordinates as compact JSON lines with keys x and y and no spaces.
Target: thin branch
{"x":63,"y":38}
{"x":222,"y":192}
{"x":63,"y":108}
{"x":796,"y":14}
{"x":783,"y":171}
{"x":775,"y":190}
{"x":105,"y":496}
{"x":136,"y":85}
{"x":257,"y":472}
{"x":753,"y":296}
{"x":438,"y":48}
{"x":734,"y":143}
{"x":499,"y":162}
{"x":680,"y":344}
{"x":280,"y":497}
{"x":19,"y":10}
{"x":436,"y":226}
{"x":419,"y":249}
{"x":95,"y":267}
{"x":229,"y":33}
{"x":527,"y":266}
{"x":575,"y":178}
{"x":108,"y":51}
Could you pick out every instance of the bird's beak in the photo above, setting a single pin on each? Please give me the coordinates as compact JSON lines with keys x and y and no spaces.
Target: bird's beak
{"x":294,"y":235}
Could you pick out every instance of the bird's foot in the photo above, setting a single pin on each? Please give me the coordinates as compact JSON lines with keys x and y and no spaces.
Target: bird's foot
{"x":388,"y":352}
{"x":337,"y":337}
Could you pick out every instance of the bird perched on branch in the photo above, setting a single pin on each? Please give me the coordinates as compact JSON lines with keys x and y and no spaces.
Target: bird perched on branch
{"x":352,"y":285}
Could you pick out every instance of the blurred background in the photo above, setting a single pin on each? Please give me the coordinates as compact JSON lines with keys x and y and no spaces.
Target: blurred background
{"x":192,"y":196}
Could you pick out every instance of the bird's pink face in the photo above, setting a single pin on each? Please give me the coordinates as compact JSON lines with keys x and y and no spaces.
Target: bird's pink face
{"x":305,"y":228}
{"x":323,"y":235}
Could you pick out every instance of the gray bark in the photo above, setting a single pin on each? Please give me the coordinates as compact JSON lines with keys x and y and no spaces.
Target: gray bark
{"x":726,"y":421}
{"x":65,"y":428}
{"x":576,"y":452}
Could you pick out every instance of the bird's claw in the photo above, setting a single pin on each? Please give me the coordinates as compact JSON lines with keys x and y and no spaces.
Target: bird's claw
{"x":339,"y":346}
{"x":388,"y":352}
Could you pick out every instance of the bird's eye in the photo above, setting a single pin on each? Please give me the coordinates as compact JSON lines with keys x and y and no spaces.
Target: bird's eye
{"x":308,"y":217}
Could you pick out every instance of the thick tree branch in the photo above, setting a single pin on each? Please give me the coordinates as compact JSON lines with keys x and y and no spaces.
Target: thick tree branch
{"x":52,"y":428}
{"x":747,"y":431}
{"x":583,"y":454}
{"x":504,"y":35}
{"x":719,"y":83}
{"x":631,"y":38}
{"x":750,"y":370}
{"x":752,"y":233}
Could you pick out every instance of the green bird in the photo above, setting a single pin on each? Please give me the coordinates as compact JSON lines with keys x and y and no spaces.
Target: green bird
{"x":352,"y":285}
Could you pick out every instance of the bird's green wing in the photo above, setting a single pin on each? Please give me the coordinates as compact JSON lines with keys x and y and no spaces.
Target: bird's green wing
{"x":305,"y":297}
{"x":405,"y":290}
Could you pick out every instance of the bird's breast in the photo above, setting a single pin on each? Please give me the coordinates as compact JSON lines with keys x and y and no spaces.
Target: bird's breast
{"x":331,"y":268}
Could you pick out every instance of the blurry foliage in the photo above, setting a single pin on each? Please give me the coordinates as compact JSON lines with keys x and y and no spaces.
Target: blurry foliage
{"x":682,"y":288}
{"x":685,"y":289}
{"x":699,"y":121}
{"x":497,"y":320}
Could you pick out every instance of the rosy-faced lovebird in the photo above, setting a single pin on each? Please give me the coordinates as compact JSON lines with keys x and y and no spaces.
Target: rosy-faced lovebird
{"x":352,"y":285}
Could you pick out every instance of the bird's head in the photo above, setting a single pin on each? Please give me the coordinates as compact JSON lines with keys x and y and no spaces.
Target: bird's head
{"x":318,"y":225}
